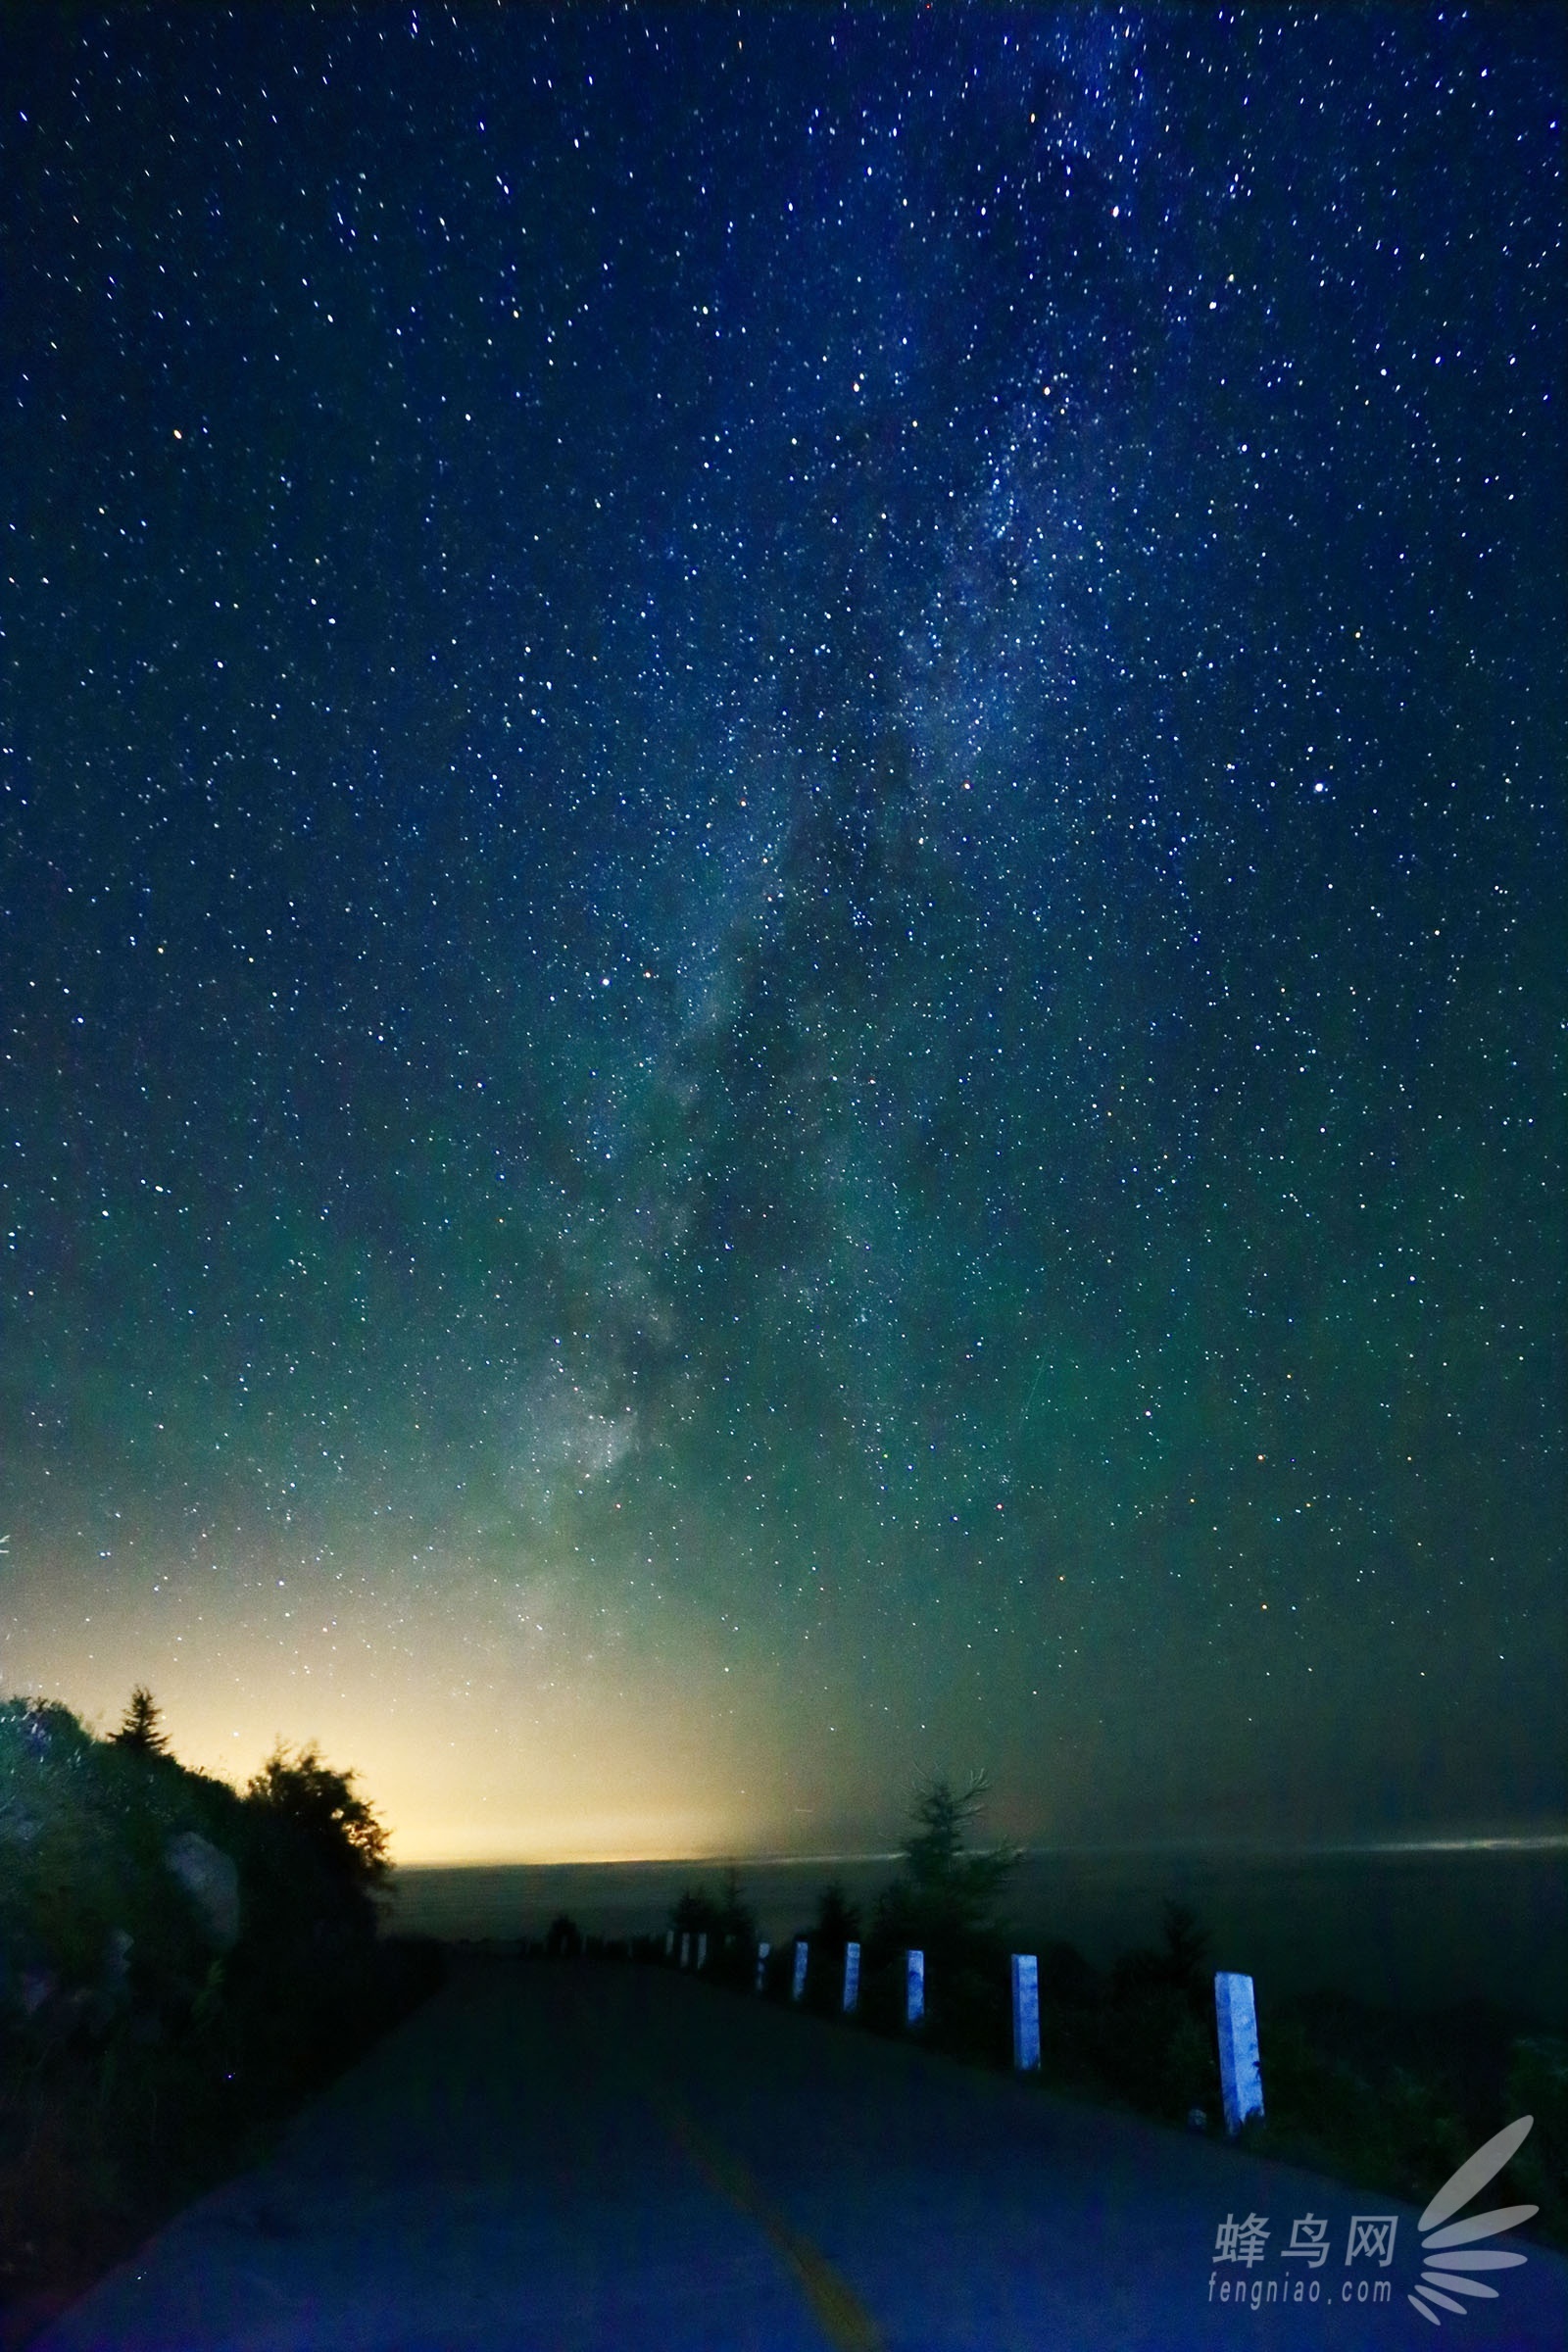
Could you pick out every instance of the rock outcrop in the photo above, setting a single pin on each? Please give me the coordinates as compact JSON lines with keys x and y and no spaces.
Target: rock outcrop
{"x":211,"y":1880}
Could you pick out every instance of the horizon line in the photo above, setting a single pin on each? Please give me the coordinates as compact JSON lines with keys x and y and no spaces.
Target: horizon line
{"x":1526,"y":1842}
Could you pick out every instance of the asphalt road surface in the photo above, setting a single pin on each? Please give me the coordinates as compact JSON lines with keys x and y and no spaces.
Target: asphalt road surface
{"x":592,"y":2158}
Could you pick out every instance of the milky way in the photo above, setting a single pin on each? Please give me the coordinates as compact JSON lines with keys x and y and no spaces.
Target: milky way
{"x":782,"y":859}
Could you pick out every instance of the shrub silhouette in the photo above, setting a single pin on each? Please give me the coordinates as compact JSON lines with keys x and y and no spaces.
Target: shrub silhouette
{"x":1066,"y":1980}
{"x":562,"y":1938}
{"x":727,"y":1919}
{"x":695,"y":1913}
{"x":1537,"y":2084}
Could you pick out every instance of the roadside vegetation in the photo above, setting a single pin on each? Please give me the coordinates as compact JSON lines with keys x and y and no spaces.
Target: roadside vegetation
{"x":1380,"y":2098}
{"x":181,"y":1966}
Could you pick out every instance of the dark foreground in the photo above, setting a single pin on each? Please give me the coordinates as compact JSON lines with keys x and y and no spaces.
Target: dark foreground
{"x":598,"y":2159}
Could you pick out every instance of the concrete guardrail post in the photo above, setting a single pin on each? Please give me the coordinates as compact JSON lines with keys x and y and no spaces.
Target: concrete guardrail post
{"x":1240,"y":2074}
{"x":1026,"y":2012}
{"x":702,"y":1951}
{"x":851,"y":1979}
{"x":762,"y":1951}
{"x":803,"y":1952}
{"x":670,"y":1942}
{"x":913,"y":1988}
{"x":686,"y":1948}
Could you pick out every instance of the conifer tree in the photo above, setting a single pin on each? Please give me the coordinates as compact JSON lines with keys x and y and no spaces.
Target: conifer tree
{"x":944,"y":1898}
{"x":142,"y":1728}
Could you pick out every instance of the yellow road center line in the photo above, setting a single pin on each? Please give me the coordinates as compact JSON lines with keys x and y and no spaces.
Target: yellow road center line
{"x":837,"y":2309}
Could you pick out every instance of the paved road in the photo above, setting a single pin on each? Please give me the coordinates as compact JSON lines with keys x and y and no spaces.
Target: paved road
{"x":600,"y":2159}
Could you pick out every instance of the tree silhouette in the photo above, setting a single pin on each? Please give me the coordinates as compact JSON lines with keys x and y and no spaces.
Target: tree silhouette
{"x":696,"y":1913}
{"x":945,"y":1897}
{"x":1186,"y":1949}
{"x":734,"y":1915}
{"x":321,"y":1803}
{"x":1176,"y":1968}
{"x":838,"y":1922}
{"x":142,"y":1728}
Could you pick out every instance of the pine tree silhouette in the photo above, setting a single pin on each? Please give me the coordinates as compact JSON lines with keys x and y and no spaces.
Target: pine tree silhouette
{"x":143,"y":1725}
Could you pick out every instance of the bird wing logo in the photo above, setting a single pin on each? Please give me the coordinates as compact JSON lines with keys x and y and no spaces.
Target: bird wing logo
{"x":1452,"y":2252}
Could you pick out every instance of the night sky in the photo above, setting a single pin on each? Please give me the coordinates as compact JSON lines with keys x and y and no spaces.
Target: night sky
{"x":782,"y":854}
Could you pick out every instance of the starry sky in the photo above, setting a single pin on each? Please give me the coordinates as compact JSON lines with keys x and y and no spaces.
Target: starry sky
{"x":781,"y":845}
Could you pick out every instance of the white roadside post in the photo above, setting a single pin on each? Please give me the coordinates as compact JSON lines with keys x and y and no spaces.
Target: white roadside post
{"x":762,"y":1951}
{"x":1240,"y":2074}
{"x":702,"y":1951}
{"x":1026,"y":2012}
{"x":802,"y":1955}
{"x":670,"y":1942}
{"x":686,"y":1948}
{"x":852,"y":1978}
{"x":913,"y":1988}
